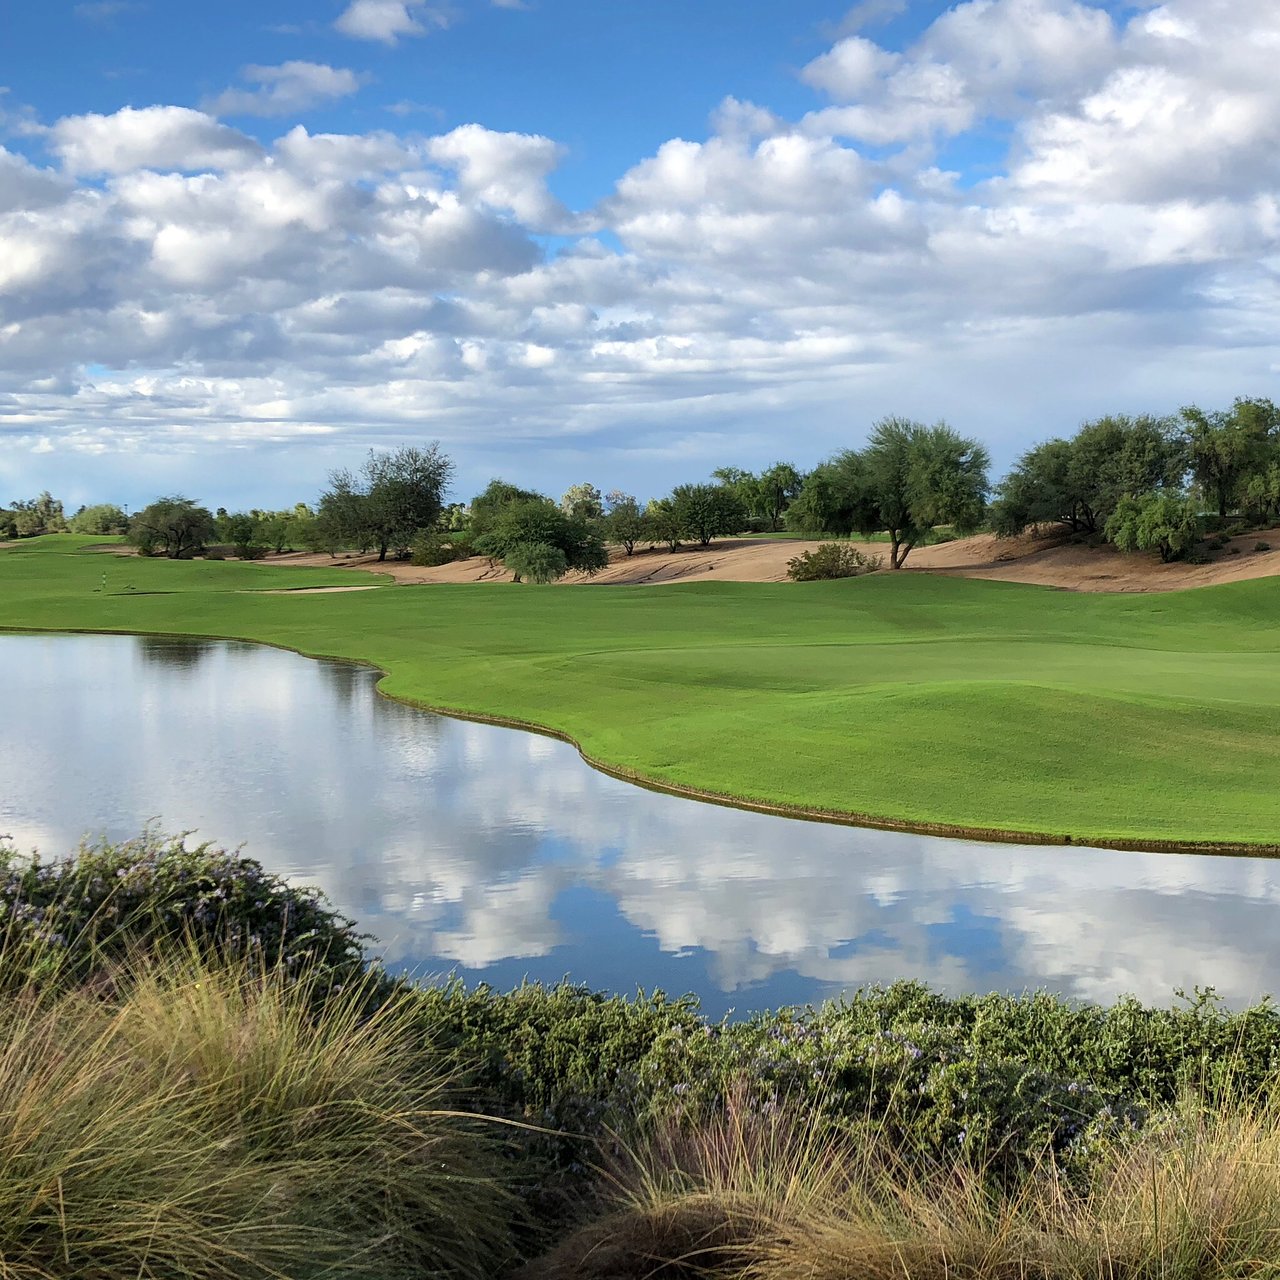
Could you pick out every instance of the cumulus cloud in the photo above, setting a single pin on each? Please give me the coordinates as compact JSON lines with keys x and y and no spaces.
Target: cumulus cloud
{"x":175,"y":138}
{"x":160,"y":268}
{"x":285,"y":90}
{"x":504,"y":171}
{"x":388,"y":20}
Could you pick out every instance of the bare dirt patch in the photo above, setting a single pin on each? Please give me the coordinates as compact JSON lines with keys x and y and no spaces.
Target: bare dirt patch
{"x":1050,"y":560}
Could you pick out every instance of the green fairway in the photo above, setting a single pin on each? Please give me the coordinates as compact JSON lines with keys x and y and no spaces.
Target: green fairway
{"x":928,"y":700}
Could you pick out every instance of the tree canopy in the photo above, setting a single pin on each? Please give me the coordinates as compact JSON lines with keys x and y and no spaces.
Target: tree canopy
{"x":396,"y":495}
{"x":1079,"y":482}
{"x":520,"y":526}
{"x":174,"y":526}
{"x":706,"y":511}
{"x":909,"y":478}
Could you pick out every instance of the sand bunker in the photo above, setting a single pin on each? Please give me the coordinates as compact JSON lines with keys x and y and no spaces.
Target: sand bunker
{"x":1050,"y":560}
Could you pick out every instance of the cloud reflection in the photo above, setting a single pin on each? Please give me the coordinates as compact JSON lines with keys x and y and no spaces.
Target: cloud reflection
{"x":490,"y":850}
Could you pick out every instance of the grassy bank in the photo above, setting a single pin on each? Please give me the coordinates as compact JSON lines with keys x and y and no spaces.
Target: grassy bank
{"x":196,"y":1084}
{"x":979,"y":705}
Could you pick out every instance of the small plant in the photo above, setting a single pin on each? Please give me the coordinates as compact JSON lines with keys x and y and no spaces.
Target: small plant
{"x":1262,"y":546}
{"x":831,"y":560}
{"x":1233,"y":551}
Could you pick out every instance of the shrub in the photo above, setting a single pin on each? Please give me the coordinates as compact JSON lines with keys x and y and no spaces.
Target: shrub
{"x":215,"y":553}
{"x":1156,"y":521}
{"x":434,"y":549}
{"x":65,"y":919}
{"x":1233,"y":551}
{"x":831,"y":560}
{"x":1262,"y":546}
{"x":250,"y":551}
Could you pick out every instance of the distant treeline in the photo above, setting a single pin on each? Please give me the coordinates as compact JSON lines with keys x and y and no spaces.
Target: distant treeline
{"x":1143,"y":483}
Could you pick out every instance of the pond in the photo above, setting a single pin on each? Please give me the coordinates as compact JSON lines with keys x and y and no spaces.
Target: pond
{"x":499,"y":855}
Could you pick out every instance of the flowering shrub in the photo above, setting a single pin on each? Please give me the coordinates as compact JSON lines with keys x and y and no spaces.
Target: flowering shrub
{"x":1006,"y":1079}
{"x":66,"y":917}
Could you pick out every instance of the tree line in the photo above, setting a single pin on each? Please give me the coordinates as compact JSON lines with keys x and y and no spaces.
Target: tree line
{"x":1143,"y":483}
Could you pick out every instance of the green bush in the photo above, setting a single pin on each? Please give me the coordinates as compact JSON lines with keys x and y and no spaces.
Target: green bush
{"x":67,"y":918}
{"x":831,"y":560}
{"x":434,"y":549}
{"x":538,"y":561}
{"x":1003,"y":1078}
{"x":1262,"y":546}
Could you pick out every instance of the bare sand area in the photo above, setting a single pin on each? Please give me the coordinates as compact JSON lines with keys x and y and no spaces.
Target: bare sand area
{"x":1050,"y":560}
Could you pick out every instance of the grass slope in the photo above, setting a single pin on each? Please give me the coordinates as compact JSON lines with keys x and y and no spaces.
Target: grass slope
{"x":986,"y":705}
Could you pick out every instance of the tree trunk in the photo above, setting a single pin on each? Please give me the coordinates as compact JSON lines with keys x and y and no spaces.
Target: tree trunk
{"x":382,"y":552}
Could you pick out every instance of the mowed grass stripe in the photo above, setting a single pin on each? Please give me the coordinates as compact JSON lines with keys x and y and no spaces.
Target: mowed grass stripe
{"x":992,"y":706}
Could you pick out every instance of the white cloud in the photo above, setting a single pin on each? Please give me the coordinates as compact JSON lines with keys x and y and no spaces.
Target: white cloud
{"x":285,"y":90}
{"x":148,"y":138}
{"x":388,"y":20}
{"x":503,"y":170}
{"x":1123,"y":207}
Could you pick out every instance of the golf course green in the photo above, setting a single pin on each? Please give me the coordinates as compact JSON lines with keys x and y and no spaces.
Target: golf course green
{"x":939,"y":703}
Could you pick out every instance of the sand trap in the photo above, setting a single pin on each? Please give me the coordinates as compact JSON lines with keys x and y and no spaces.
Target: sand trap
{"x":1049,"y":560}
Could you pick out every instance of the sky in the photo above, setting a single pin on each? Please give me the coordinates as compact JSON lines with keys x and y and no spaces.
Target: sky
{"x":584,"y":240}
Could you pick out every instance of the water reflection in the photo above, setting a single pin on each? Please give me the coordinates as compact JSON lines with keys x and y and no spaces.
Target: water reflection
{"x":500,"y":854}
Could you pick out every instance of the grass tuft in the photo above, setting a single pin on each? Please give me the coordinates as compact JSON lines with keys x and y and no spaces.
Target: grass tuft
{"x":203,"y":1119}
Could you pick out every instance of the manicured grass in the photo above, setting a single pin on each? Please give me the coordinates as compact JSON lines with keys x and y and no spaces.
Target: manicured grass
{"x":985,"y":705}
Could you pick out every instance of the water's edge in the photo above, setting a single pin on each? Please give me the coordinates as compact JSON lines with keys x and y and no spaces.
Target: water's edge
{"x":835,"y":817}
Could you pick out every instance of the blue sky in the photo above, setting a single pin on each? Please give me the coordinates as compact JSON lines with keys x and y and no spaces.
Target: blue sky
{"x":611,"y":81}
{"x":241,"y":244}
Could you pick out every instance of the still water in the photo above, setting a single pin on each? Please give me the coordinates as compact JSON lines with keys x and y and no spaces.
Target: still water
{"x":498,"y":854}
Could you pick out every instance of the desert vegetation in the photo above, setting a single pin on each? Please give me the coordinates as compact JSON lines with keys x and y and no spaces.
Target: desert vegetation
{"x":1145,"y":483}
{"x":206,"y":1075}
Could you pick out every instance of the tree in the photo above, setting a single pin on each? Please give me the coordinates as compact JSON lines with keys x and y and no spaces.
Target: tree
{"x":776,"y":489}
{"x":1041,"y":489}
{"x":1079,"y":482}
{"x":1155,"y":521}
{"x":175,"y":526}
{"x":242,"y":529}
{"x":520,"y":525}
{"x":909,"y":478}
{"x":662,"y":523}
{"x":1225,"y":448}
{"x":37,"y":516}
{"x":583,"y":502}
{"x":830,"y":498}
{"x":626,"y":524}
{"x":1262,"y":493}
{"x":917,"y":477}
{"x":397,"y":494}
{"x":706,"y":511}
{"x":103,"y":519}
{"x":488,"y":506}
{"x":537,"y":561}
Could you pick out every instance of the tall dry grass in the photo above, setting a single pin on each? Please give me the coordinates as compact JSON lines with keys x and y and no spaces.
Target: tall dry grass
{"x":198,"y":1119}
{"x":749,"y":1196}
